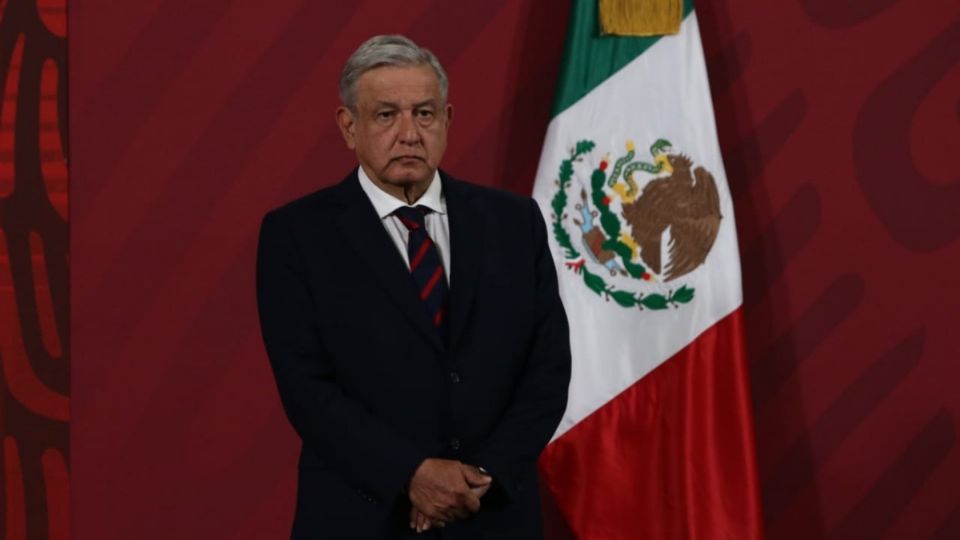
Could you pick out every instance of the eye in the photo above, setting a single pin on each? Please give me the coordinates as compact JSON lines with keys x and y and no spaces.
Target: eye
{"x":385,"y":115}
{"x":425,"y":115}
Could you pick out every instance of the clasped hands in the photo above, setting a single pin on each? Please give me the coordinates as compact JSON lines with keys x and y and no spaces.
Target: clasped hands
{"x":445,"y":490}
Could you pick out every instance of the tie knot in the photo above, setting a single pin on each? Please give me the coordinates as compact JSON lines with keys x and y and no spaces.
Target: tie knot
{"x":412,"y":216}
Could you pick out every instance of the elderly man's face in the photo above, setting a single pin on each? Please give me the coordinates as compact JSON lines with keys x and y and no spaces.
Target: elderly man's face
{"x":399,"y":130}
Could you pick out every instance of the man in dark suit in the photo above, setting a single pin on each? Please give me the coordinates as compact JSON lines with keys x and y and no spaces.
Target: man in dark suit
{"x":414,"y":326}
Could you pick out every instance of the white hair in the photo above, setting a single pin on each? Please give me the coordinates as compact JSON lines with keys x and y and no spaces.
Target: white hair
{"x":386,"y":50}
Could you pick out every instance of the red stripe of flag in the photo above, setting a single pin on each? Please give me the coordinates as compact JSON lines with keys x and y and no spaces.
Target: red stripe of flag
{"x":669,"y":458}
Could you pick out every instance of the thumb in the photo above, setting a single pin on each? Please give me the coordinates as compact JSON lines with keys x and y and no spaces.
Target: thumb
{"x":474,"y":477}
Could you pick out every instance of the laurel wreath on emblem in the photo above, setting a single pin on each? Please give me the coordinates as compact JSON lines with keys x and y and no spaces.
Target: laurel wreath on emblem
{"x":685,"y":203}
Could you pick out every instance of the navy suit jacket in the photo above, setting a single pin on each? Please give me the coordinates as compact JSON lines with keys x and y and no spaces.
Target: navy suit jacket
{"x":371,"y":386}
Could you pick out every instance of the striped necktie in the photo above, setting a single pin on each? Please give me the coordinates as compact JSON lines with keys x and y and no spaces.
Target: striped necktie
{"x":426,"y":267}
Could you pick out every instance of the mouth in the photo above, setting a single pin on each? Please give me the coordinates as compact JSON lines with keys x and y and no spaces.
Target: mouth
{"x":408,"y":159}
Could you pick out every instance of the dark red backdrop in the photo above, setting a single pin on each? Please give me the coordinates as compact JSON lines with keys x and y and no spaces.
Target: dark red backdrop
{"x":34,"y":319}
{"x":838,"y":121}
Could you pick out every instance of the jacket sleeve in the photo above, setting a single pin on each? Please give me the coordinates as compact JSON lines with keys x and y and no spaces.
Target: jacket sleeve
{"x":376,"y":459}
{"x":540,"y":396}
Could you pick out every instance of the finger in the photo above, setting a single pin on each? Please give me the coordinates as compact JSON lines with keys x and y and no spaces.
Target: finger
{"x":464,"y":500}
{"x":455,"y":511}
{"x":474,"y":477}
{"x":468,"y":506}
{"x":472,"y":503}
{"x":418,"y":522}
{"x":431,"y":513}
{"x":480,"y":491}
{"x":441,"y":513}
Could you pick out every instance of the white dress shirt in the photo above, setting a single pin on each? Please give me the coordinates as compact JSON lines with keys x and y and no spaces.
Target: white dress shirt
{"x":438,"y":226}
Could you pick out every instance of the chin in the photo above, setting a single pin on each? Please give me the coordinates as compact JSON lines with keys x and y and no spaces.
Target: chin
{"x":409,"y":177}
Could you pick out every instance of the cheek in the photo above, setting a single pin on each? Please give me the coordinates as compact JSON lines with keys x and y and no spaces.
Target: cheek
{"x":375,"y":147}
{"x":436,"y":144}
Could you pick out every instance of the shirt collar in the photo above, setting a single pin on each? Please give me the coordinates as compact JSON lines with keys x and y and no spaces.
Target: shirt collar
{"x":385,"y":204}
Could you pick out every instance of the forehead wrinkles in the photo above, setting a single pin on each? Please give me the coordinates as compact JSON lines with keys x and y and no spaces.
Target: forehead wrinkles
{"x":399,"y":86}
{"x":401,"y":95}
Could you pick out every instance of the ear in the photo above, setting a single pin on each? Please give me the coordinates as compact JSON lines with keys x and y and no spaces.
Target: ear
{"x":449,"y":112}
{"x":347,"y":124}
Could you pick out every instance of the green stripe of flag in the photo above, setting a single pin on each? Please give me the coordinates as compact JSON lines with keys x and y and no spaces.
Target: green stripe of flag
{"x":589,"y":58}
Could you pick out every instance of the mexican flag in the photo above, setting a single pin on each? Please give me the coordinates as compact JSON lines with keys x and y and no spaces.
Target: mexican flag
{"x":657,"y":438}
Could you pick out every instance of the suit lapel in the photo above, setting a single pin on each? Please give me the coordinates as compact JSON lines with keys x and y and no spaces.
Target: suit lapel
{"x":360,"y":225}
{"x":466,"y":248}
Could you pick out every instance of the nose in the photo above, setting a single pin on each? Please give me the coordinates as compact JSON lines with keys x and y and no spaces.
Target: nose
{"x":409,"y":132}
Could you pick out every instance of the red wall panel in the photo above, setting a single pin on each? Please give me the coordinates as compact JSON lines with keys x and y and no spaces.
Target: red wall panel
{"x":34,"y":321}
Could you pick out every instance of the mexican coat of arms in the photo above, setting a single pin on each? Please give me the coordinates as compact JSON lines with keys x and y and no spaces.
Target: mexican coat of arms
{"x":632,"y":239}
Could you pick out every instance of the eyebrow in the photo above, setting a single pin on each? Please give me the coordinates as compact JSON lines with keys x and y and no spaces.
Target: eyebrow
{"x":389,"y":104}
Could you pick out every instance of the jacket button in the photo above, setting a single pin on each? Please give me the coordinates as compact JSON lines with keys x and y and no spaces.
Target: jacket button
{"x":367,"y":497}
{"x":455,"y":443}
{"x":454,"y":377}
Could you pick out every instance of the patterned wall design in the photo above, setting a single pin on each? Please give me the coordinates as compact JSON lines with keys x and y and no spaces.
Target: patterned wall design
{"x":838,"y":121}
{"x":34,"y":318}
